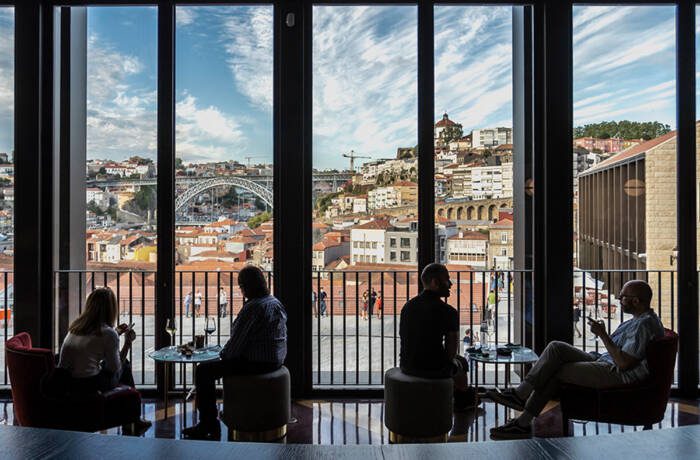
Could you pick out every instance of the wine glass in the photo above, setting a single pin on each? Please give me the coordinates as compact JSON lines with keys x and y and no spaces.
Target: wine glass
{"x":210,"y":327}
{"x":171,"y":328}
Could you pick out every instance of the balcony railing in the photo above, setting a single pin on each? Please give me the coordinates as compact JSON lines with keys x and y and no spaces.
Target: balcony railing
{"x":358,"y":341}
{"x":348,"y":351}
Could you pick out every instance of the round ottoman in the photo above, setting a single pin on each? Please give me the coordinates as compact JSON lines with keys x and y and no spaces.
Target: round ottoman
{"x":257,"y":407}
{"x":417,"y":409}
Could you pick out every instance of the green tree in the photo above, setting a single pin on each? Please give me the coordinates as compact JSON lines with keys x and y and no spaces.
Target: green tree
{"x":624,"y":129}
{"x":452,"y":133}
{"x":179,"y":164}
{"x":143,"y":200}
{"x":259,"y":219}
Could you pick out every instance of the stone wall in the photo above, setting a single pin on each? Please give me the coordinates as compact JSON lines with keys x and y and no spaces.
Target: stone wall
{"x":660,"y":170}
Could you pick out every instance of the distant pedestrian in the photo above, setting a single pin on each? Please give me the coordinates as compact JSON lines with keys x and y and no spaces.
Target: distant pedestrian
{"x":372,"y":301}
{"x":322,"y":301}
{"x":197,"y":303}
{"x":223,"y":303}
{"x":313,"y":303}
{"x":188,"y":302}
{"x":577,"y":318}
{"x":365,"y":301}
{"x":379,"y":306}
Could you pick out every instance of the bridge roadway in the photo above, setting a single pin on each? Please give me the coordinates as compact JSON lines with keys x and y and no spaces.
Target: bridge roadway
{"x":264,"y":180}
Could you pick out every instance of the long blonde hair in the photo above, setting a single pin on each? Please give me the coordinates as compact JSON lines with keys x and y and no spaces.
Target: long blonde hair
{"x":100,"y":308}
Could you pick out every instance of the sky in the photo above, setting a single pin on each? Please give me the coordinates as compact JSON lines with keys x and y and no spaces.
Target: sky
{"x":364,"y":76}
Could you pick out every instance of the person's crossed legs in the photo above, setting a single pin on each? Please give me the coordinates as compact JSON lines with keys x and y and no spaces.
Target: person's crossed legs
{"x":560,"y":363}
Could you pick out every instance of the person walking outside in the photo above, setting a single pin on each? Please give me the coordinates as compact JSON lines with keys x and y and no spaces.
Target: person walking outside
{"x":314,"y":307}
{"x":322,"y":301}
{"x":188,"y":302}
{"x":223,"y":303}
{"x":372,"y":301}
{"x":379,"y":306}
{"x":197,"y":303}
{"x":577,"y":318}
{"x":365,"y":297}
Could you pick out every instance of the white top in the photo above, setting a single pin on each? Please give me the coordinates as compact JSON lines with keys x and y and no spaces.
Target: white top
{"x":83,"y":354}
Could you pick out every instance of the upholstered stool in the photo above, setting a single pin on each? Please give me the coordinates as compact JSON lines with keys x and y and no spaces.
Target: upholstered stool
{"x":417,"y":409}
{"x":257,"y":407}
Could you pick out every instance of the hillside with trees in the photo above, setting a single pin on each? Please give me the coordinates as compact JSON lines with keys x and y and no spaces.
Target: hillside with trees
{"x":624,"y":129}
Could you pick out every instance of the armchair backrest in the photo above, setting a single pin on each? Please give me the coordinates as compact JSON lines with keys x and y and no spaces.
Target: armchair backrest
{"x":26,"y":366}
{"x":661,"y":359}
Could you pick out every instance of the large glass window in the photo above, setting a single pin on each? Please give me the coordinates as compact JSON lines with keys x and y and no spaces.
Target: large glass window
{"x":7,"y":176}
{"x":120,"y":60}
{"x":474,"y":158}
{"x":223,"y":177}
{"x":624,"y":156}
{"x":365,"y":184}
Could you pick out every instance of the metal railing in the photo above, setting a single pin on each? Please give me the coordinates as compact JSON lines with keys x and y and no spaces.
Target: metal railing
{"x":7,"y":300}
{"x":358,"y":338}
{"x":349,"y":351}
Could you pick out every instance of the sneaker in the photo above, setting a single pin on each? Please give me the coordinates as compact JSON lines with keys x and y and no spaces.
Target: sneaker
{"x":507,"y":397}
{"x":511,"y":430}
{"x":203,"y":432}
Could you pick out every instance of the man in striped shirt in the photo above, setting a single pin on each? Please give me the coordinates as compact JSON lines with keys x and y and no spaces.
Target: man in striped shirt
{"x":258,"y":345}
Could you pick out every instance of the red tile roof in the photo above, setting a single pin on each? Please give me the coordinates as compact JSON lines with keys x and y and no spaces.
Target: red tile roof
{"x":469,"y":235}
{"x":633,"y":151}
{"x":378,"y":224}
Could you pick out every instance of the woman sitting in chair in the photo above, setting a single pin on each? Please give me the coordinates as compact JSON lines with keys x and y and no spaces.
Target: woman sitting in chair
{"x":91,"y":352}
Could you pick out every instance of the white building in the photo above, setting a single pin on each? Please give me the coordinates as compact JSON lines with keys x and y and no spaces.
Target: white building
{"x":468,"y":248}
{"x":483,"y":182}
{"x":383,"y":197}
{"x":99,"y":196}
{"x":359,"y":205}
{"x":491,"y":137}
{"x":367,"y":242}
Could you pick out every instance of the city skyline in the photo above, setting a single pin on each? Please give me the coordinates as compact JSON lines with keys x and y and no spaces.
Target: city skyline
{"x":624,"y":68}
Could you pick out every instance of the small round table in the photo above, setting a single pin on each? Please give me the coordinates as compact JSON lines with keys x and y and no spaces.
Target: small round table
{"x":519,"y":355}
{"x":170,"y":355}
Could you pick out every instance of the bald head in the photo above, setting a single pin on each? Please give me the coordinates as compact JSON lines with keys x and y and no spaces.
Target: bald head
{"x":635,"y":297}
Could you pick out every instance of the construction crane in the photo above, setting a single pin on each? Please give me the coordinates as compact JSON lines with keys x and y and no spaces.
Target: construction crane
{"x":352,"y":157}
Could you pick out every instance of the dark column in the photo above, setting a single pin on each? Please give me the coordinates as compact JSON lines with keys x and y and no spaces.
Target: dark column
{"x":165,"y":184}
{"x":426,"y":147}
{"x":292,"y":182}
{"x":553,"y":173}
{"x":32,"y":307}
{"x":72,"y":155}
{"x":686,"y":197}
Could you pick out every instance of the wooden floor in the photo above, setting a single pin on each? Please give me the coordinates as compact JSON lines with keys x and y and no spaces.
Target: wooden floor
{"x":361,"y":422}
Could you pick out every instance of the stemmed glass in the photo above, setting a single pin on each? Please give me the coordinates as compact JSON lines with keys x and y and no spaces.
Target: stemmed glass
{"x":210,"y":327}
{"x":171,"y":328}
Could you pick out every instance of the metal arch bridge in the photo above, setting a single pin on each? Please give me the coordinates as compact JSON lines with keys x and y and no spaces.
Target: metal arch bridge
{"x":200,"y":186}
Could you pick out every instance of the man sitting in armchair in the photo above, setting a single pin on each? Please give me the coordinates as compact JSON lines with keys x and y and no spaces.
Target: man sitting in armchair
{"x":624,"y":362}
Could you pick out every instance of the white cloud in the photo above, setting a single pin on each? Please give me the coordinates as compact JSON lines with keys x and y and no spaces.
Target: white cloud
{"x":206,"y":133}
{"x":185,"y":15}
{"x":364,"y":81}
{"x":624,"y":63}
{"x":248,"y":41}
{"x":121,"y":115}
{"x":7,"y":90}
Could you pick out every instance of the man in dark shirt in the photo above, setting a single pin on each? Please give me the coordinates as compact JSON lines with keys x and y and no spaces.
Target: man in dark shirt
{"x":429,"y":331}
{"x":258,"y":345}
